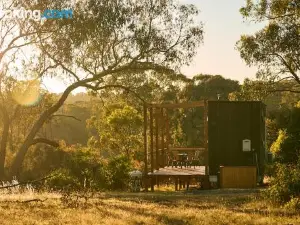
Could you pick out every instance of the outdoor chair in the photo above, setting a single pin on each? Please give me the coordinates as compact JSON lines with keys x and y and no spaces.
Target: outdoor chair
{"x":172,"y":160}
{"x":195,"y":159}
{"x":183,"y":159}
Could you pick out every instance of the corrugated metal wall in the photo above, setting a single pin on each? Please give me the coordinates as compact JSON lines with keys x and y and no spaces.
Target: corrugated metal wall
{"x":229,"y":123}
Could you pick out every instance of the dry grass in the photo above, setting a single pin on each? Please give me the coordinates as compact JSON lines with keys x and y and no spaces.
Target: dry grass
{"x":176,"y":208}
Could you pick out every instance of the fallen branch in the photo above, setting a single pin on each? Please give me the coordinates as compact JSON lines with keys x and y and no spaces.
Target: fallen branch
{"x":27,"y":182}
{"x":26,"y":201}
{"x":34,"y":200}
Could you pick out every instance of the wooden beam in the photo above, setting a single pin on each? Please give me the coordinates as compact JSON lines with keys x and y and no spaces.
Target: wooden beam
{"x":151,"y":140}
{"x":156,"y":139}
{"x":176,"y":183}
{"x":151,"y":146}
{"x":187,"y":149}
{"x":145,"y":146}
{"x":163,"y":136}
{"x":179,"y":105}
{"x":167,"y":134}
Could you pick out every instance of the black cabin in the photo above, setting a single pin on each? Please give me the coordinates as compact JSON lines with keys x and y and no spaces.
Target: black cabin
{"x":236,"y":135}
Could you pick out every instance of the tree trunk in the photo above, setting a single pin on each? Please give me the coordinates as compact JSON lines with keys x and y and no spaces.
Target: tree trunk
{"x":3,"y":144}
{"x":18,"y":160}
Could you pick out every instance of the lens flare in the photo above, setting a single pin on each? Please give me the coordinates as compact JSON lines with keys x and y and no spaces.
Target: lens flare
{"x":27,"y":93}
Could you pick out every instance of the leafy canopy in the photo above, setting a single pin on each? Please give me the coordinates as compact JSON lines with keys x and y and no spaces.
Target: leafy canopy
{"x":276,"y":48}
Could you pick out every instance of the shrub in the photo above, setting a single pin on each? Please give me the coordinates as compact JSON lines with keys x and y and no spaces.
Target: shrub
{"x":285,"y":184}
{"x":293,"y":204}
{"x":286,"y":148}
{"x":78,"y":167}
{"x":118,"y":172}
{"x":87,"y":167}
{"x":62,"y":179}
{"x":269,"y":169}
{"x":81,"y":168}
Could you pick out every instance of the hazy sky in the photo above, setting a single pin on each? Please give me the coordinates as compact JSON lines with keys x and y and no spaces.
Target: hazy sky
{"x":223,"y":26}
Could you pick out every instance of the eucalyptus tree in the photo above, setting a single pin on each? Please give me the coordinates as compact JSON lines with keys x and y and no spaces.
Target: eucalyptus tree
{"x":275,"y":49}
{"x":100,"y":44}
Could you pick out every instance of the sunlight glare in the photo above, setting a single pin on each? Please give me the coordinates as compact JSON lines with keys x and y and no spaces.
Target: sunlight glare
{"x":27,"y":93}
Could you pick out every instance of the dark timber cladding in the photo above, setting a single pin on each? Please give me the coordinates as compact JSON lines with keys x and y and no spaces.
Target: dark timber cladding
{"x":229,"y":123}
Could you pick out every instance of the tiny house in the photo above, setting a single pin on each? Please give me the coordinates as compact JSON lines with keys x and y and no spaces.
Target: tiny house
{"x":236,"y":139}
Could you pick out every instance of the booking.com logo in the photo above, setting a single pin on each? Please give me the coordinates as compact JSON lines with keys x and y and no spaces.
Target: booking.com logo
{"x":36,"y":15}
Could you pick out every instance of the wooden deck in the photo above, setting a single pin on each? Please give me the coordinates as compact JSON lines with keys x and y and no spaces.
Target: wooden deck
{"x":184,"y":171}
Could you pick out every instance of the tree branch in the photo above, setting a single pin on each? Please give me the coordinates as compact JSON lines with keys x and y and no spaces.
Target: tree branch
{"x":68,"y":116}
{"x":280,"y":16}
{"x":44,"y":141}
{"x":95,"y":88}
{"x":296,"y":77}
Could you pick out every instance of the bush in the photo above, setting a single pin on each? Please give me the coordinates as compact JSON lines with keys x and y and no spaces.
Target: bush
{"x":62,"y":179}
{"x":269,"y":169}
{"x":76,"y":168}
{"x":118,"y":172}
{"x":285,"y":184}
{"x":80,"y":168}
{"x":88,"y":168}
{"x":293,"y":204}
{"x":286,"y":148}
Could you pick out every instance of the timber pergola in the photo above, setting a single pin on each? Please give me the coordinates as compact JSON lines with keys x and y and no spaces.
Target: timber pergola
{"x":157,"y":128}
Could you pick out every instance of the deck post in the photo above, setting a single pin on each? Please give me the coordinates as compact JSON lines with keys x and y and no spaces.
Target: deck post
{"x":168,"y":136}
{"x":157,"y":139}
{"x":151,"y":140}
{"x":145,"y":148}
{"x":151,"y":147}
{"x":163,"y":137}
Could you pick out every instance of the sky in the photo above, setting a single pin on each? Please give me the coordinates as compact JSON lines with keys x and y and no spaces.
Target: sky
{"x":223,"y":26}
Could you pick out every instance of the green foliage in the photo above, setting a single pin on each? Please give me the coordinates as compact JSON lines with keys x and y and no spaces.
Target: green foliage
{"x":118,"y":130}
{"x":269,"y":169}
{"x":287,"y":146}
{"x":208,"y":87}
{"x":250,"y":91}
{"x":61,"y":179}
{"x":70,"y":124}
{"x":276,"y":147}
{"x":187,"y":125}
{"x":123,"y":117}
{"x":272,"y":132}
{"x":81,"y":168}
{"x":118,"y":169}
{"x":83,"y":163}
{"x":275,"y":48}
{"x":122,"y":41}
{"x":293,"y":204}
{"x":285,"y":183}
